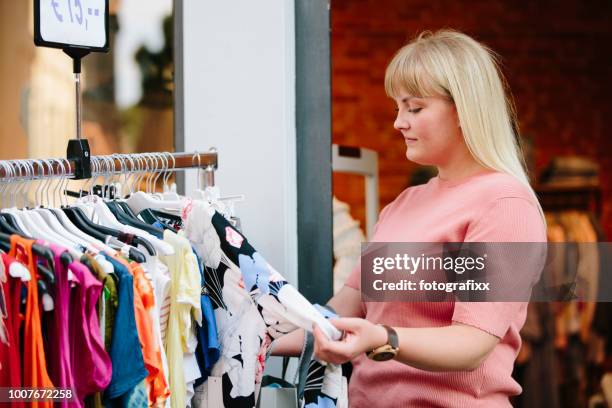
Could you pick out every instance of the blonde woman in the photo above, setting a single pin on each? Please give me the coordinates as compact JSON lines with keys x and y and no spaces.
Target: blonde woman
{"x":453,"y":113}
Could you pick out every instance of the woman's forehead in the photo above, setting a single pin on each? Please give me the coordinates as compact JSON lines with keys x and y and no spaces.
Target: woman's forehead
{"x":406,"y":97}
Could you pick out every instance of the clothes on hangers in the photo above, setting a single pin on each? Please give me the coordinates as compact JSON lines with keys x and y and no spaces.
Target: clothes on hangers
{"x":208,"y":349}
{"x":184,"y":309}
{"x":253,"y":304}
{"x":90,"y":361}
{"x":10,"y":358}
{"x":60,"y":363}
{"x":144,"y":334}
{"x":565,"y":347}
{"x":34,"y":364}
{"x":125,"y":352}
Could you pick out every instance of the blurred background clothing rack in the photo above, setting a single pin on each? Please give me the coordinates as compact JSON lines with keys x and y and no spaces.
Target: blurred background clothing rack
{"x":581,"y":197}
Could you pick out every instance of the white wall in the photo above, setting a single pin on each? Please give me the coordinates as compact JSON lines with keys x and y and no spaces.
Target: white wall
{"x":239,"y":87}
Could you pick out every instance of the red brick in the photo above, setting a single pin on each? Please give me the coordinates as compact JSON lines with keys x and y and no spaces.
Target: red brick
{"x":556,"y":57}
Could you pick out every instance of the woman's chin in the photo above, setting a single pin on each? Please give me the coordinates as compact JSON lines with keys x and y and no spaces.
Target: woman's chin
{"x":417,"y":158}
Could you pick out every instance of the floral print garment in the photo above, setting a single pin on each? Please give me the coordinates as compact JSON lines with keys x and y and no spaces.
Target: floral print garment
{"x":252,"y":302}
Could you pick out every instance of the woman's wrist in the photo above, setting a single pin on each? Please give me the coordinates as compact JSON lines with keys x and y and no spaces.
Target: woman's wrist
{"x":378,"y":338}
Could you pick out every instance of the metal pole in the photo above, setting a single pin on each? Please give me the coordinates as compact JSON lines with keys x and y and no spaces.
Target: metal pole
{"x":77,"y":80}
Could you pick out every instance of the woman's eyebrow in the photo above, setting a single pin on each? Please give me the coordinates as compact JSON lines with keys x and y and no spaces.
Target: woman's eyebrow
{"x":408,"y":98}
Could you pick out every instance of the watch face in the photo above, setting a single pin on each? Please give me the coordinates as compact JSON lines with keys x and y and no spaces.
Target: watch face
{"x":383,"y":356}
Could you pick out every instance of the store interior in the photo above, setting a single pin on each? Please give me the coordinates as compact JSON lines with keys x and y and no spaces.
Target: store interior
{"x":556,"y":62}
{"x":554,"y":55}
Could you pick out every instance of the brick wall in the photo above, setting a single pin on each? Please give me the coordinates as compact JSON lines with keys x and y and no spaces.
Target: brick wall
{"x":556,"y":56}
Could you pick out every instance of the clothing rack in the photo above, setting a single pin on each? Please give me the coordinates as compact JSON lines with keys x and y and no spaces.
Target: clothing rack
{"x":559,"y":198}
{"x":154,"y":162}
{"x":363,"y":162}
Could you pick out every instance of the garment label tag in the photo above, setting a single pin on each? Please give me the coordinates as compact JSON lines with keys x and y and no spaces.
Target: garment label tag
{"x":17,"y":270}
{"x":214,"y":392}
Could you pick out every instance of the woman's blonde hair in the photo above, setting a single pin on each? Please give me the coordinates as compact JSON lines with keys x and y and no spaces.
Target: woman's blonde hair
{"x":451,"y":64}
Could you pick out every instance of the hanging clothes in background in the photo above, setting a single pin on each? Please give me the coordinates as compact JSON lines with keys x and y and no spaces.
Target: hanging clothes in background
{"x":562,"y":352}
{"x":348,"y":237}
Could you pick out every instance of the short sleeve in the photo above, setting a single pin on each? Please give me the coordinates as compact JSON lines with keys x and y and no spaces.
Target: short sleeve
{"x":509,"y":219}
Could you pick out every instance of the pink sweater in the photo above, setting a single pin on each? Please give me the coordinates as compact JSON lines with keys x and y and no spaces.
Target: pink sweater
{"x":488,"y":207}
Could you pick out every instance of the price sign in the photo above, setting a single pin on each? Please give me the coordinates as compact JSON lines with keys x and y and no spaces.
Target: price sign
{"x":71,"y":24}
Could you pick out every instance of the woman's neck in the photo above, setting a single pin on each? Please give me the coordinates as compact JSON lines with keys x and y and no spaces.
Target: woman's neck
{"x":459,"y":170}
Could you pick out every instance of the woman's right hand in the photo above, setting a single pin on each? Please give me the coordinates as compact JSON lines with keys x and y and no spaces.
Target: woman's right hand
{"x":346,"y":303}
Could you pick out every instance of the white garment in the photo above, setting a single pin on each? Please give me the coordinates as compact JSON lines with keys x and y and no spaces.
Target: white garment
{"x":348,"y":237}
{"x":159,"y":276}
{"x":191,"y":368}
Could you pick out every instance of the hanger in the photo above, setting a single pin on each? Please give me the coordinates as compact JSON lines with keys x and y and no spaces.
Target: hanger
{"x":212,"y":194}
{"x":51,"y":217}
{"x":149,"y":215}
{"x":49,"y":230}
{"x":32,"y":221}
{"x":117,"y":216}
{"x":11,"y":168}
{"x":101,"y":232}
{"x":94,"y":243}
{"x":38,"y":250}
{"x":139,"y":200}
{"x":108,"y":218}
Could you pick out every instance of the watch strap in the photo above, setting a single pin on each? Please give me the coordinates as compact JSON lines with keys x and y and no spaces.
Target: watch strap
{"x":391,"y":347}
{"x":392,"y":338}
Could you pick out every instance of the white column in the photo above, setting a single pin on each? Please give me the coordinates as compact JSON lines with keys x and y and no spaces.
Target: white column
{"x":239,"y":96}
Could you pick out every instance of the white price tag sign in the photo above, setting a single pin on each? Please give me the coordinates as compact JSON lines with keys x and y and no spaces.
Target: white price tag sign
{"x":65,"y":23}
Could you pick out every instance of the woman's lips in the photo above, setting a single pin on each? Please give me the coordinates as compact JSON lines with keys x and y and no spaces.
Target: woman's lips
{"x":410,"y":139}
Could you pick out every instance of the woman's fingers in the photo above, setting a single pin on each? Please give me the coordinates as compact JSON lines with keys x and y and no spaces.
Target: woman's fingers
{"x":330,"y":351}
{"x":347,"y":323}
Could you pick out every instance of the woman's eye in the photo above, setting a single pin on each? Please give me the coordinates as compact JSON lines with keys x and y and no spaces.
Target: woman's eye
{"x":415,"y":110}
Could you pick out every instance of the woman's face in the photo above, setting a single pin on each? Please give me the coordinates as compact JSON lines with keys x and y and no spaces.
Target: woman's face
{"x":430,"y":127}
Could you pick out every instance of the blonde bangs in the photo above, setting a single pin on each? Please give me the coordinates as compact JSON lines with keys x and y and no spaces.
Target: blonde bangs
{"x":410,"y":73}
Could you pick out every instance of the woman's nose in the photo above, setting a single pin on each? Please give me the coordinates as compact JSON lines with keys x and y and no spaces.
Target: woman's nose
{"x":401,"y":122}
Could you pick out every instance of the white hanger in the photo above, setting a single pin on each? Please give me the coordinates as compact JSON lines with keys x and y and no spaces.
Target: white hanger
{"x":94,"y":244}
{"x":107,"y":218}
{"x":19,"y":271}
{"x":139,"y":200}
{"x":41,"y":229}
{"x":56,"y":229}
{"x":49,"y":217}
{"x":35,"y":227}
{"x":169,"y":193}
{"x":13,"y":209}
{"x":212,"y":194}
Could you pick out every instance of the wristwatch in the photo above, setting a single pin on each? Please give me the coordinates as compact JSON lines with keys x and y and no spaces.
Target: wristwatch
{"x":386,"y":351}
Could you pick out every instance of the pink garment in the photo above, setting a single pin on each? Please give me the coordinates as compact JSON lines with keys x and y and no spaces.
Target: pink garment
{"x":488,"y":207}
{"x":58,"y":352}
{"x":91,"y":365}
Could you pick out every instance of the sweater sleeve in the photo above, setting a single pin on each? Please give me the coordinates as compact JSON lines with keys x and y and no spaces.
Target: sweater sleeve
{"x":510,"y":219}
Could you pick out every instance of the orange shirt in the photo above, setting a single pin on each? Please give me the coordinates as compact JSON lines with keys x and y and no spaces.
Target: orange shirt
{"x":34,"y":363}
{"x":144,"y":301}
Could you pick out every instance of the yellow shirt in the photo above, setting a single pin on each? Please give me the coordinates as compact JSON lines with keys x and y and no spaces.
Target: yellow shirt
{"x":184,"y":309}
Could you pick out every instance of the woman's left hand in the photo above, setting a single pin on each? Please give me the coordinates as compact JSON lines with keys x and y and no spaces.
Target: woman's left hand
{"x":360,"y":336}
